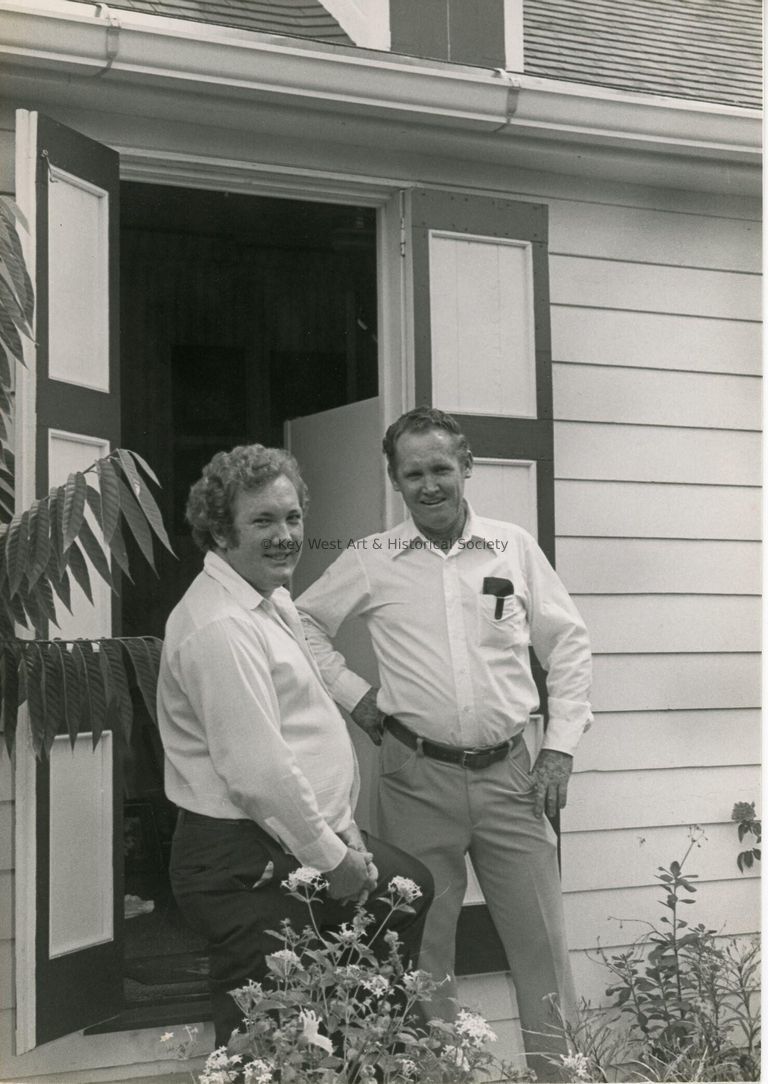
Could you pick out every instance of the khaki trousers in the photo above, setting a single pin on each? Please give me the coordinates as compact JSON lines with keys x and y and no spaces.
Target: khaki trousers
{"x":440,"y":813}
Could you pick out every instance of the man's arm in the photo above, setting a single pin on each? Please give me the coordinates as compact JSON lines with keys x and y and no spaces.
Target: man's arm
{"x":561,"y":642}
{"x":341,"y":592}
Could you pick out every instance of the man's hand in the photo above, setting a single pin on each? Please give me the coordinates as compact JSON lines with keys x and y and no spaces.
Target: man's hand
{"x":550,"y":777}
{"x":350,"y":879}
{"x":368,"y":717}
{"x":354,"y":840}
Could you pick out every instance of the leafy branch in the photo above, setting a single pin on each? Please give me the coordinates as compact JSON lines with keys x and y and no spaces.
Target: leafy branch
{"x":74,"y":531}
{"x":749,"y":824}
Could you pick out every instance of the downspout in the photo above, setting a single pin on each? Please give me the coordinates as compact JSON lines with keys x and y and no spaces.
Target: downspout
{"x":513,"y":96}
{"x":113,"y":37}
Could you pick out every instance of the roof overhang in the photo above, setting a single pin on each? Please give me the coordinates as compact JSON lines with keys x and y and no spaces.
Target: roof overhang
{"x":229,"y":71}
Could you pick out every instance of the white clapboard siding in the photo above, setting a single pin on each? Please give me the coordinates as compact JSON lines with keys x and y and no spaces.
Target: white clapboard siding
{"x":649,"y":397}
{"x":687,"y":566}
{"x":615,"y":916}
{"x":670,"y":739}
{"x":666,"y":682}
{"x":655,"y":340}
{"x":635,"y":233}
{"x":658,"y":623}
{"x":642,"y":510}
{"x":630,"y":857}
{"x":645,"y":453}
{"x":638,"y":799}
{"x":642,"y":287}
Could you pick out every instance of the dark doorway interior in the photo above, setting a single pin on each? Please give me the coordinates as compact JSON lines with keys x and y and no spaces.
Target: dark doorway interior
{"x":237,"y":313}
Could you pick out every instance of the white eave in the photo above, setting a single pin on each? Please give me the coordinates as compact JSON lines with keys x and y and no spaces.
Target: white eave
{"x":129,"y":49}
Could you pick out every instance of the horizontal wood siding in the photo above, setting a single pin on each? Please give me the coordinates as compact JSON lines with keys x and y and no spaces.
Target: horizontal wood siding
{"x":656,"y":359}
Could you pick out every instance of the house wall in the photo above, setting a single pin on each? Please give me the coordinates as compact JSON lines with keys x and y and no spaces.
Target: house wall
{"x":656,"y":360}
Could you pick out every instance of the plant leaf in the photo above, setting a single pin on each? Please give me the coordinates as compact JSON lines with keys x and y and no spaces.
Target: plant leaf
{"x":111,"y":651}
{"x":13,"y":257}
{"x":145,"y":467}
{"x":145,"y":498}
{"x":55,"y":692}
{"x":95,"y":553}
{"x":36,"y":697}
{"x":9,"y":694}
{"x":79,"y":570}
{"x":39,"y":541}
{"x":73,"y":694}
{"x":132,"y":513}
{"x":94,"y":503}
{"x":145,"y":669}
{"x":16,"y":546}
{"x":109,"y":491}
{"x":73,"y":508}
{"x":119,"y":552}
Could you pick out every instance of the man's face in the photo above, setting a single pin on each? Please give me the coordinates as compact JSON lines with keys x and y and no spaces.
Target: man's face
{"x":430,"y":476}
{"x":268,"y":529}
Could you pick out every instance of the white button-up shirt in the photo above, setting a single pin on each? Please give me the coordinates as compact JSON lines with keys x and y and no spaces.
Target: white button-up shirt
{"x":247,"y":726}
{"x":453,"y":661}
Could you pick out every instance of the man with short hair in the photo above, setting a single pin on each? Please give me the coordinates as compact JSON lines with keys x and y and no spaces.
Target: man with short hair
{"x":257,"y":755}
{"x":452,"y":601}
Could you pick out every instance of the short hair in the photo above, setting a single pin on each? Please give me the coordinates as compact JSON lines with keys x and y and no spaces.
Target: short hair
{"x":420,"y":420}
{"x":247,"y":467}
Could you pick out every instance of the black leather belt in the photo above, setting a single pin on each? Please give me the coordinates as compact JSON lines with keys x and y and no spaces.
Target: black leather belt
{"x":475,"y":757}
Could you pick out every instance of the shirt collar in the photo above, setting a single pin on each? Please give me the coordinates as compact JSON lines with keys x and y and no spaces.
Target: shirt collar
{"x":410,"y":537}
{"x":232,"y":582}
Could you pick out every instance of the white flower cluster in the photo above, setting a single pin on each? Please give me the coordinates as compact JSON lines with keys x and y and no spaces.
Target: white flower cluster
{"x":347,"y":934}
{"x":577,"y":1065}
{"x":258,"y":1072}
{"x":221,"y":1067}
{"x":472,"y":1027}
{"x":283,"y":962}
{"x":377,"y":985}
{"x":405,"y":888}
{"x":304,"y":876}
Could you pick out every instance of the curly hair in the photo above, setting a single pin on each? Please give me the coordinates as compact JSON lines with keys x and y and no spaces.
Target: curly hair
{"x":420,"y":420}
{"x":211,"y":499}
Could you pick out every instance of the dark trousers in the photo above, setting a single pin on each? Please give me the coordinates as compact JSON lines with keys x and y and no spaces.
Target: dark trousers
{"x":226,"y":876}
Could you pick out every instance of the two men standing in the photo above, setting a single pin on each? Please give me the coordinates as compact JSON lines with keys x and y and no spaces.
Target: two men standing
{"x":257,"y":756}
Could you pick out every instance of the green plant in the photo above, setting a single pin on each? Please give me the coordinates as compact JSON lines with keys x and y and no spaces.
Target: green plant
{"x":748,"y":824}
{"x":684,"y":1001}
{"x":329,"y":1010}
{"x":68,"y":686}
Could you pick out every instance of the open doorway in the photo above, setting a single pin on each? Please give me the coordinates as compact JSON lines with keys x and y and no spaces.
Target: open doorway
{"x":238,"y":313}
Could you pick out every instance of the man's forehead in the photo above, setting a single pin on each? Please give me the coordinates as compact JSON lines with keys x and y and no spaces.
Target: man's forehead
{"x":427,"y":441}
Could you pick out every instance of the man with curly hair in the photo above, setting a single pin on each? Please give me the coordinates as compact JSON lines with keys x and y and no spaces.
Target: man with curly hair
{"x":257,"y":755}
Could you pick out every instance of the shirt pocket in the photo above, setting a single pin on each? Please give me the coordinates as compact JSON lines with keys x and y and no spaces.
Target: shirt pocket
{"x":509,"y":629}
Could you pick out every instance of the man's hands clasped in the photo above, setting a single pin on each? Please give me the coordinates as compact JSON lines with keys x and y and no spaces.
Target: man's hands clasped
{"x":356,"y":875}
{"x":550,"y":773}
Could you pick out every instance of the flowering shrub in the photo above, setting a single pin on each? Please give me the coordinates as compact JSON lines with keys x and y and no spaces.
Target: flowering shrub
{"x":328,"y":1010}
{"x":685,"y":1001}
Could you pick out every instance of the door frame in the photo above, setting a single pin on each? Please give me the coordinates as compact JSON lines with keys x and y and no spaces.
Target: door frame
{"x":396,"y":392}
{"x":397,"y":381}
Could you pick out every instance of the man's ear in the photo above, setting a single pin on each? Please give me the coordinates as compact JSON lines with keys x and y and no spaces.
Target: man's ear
{"x":468,"y":465}
{"x":392,"y":479}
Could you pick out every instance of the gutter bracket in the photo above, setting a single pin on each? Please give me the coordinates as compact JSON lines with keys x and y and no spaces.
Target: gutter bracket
{"x":513,"y":95}
{"x":113,"y":37}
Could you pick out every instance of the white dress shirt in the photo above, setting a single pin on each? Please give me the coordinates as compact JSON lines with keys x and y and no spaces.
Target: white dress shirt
{"x":448,"y":667}
{"x":247,"y":726}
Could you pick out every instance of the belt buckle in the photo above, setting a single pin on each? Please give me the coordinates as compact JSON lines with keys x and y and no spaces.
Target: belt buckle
{"x":479,"y":758}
